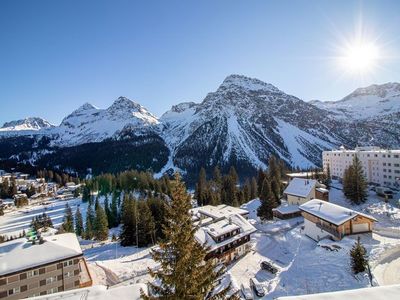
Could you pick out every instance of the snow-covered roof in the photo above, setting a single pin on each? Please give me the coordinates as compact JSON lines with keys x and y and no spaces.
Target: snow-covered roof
{"x":20,"y":254}
{"x":100,"y":292}
{"x":204,"y":234}
{"x":287,"y":208}
{"x":218,"y":211}
{"x":388,"y":292}
{"x":300,"y":187}
{"x":322,"y":190}
{"x":220,"y":227}
{"x":330,"y":212}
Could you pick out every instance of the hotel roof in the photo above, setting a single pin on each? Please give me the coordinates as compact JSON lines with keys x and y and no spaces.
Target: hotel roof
{"x":20,"y":254}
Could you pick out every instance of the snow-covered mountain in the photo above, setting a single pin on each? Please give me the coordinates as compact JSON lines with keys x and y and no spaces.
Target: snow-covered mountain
{"x":365,"y":103}
{"x":242,"y":123}
{"x":31,"y":123}
{"x":91,"y":124}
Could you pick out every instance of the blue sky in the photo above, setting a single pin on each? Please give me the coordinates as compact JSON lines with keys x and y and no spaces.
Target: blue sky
{"x":56,"y":55}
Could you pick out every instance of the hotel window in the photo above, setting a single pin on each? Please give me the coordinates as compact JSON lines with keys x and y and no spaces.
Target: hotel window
{"x":383,"y":155}
{"x":388,"y":156}
{"x":51,"y":279}
{"x":384,"y":164}
{"x":396,"y":156}
{"x":68,"y":263}
{"x":52,"y":291}
{"x":376,"y":155}
{"x":397,"y":165}
{"x":384,"y":170}
{"x":32,"y":273}
{"x":13,"y":291}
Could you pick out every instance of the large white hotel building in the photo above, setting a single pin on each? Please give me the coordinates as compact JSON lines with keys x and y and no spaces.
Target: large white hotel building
{"x":380,"y":166}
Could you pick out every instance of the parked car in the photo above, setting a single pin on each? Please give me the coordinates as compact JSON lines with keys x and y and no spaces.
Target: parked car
{"x":384,"y":192}
{"x":257,"y":287}
{"x":247,"y":293}
{"x":265,"y":265}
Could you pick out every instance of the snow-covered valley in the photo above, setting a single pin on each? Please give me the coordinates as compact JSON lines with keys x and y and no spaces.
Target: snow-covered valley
{"x":304,"y":266}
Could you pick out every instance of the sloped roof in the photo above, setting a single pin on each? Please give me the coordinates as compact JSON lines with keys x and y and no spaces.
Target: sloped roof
{"x":330,"y":212}
{"x":300,"y":187}
{"x":19,"y":254}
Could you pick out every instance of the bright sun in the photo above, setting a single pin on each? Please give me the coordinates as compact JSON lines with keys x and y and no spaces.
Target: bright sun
{"x":360,"y":57}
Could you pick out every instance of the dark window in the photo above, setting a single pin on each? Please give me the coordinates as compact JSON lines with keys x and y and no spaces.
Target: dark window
{"x":24,"y":288}
{"x":77,"y":283}
{"x":43,"y":293}
{"x":59,"y":266}
{"x":76,"y":272}
{"x":22,"y":276}
{"x":3,"y":281}
{"x":43,"y":282}
{"x":42,"y":271}
{"x":76,"y":261}
{"x":59,"y":277}
{"x":3,"y":294}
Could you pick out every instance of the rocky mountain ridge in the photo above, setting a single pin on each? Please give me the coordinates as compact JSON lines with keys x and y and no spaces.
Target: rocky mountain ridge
{"x":242,"y":123}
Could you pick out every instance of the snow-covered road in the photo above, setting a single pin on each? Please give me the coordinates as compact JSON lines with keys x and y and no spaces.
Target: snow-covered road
{"x":387,"y":270}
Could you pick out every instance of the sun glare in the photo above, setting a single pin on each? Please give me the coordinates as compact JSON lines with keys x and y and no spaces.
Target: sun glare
{"x":360,"y":57}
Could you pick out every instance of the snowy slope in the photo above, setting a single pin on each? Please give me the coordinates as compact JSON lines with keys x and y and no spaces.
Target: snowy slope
{"x":24,"y":126}
{"x":369,"y":102}
{"x":242,"y":123}
{"x":236,"y":125}
{"x":91,"y":124}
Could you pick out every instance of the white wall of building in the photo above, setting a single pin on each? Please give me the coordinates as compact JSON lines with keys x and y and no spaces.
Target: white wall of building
{"x":380,"y":166}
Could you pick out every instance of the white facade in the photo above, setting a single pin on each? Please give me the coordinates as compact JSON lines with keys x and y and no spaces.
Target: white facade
{"x":380,"y":166}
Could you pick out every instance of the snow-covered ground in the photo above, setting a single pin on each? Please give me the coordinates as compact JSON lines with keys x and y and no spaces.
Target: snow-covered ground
{"x":15,"y":221}
{"x":304,"y":266}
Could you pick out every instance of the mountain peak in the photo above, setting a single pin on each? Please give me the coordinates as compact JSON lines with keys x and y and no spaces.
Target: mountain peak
{"x":86,"y":106}
{"x":124,"y":103}
{"x":247,"y":83}
{"x":380,"y":90}
{"x":30,"y":123}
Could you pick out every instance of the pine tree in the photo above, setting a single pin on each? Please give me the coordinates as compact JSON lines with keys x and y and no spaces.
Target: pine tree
{"x":276,"y":190}
{"x":100,"y":224}
{"x":246,"y":191}
{"x":217,"y":176}
{"x":107,"y":211}
{"x":128,"y":219}
{"x":201,"y":188}
{"x":253,"y":189}
{"x":267,"y":200}
{"x":233,"y":174}
{"x":78,"y":222}
{"x":328,"y":178}
{"x":359,"y":258}
{"x":146,"y":225}
{"x":114,"y":217}
{"x":260,"y":180}
{"x":183,"y":273}
{"x":89,"y":223}
{"x":68,"y":223}
{"x":354,"y":182}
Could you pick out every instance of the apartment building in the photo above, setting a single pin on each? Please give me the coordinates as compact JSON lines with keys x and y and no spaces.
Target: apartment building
{"x":380,"y":166}
{"x":52,"y":265}
{"x":224,"y":230}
